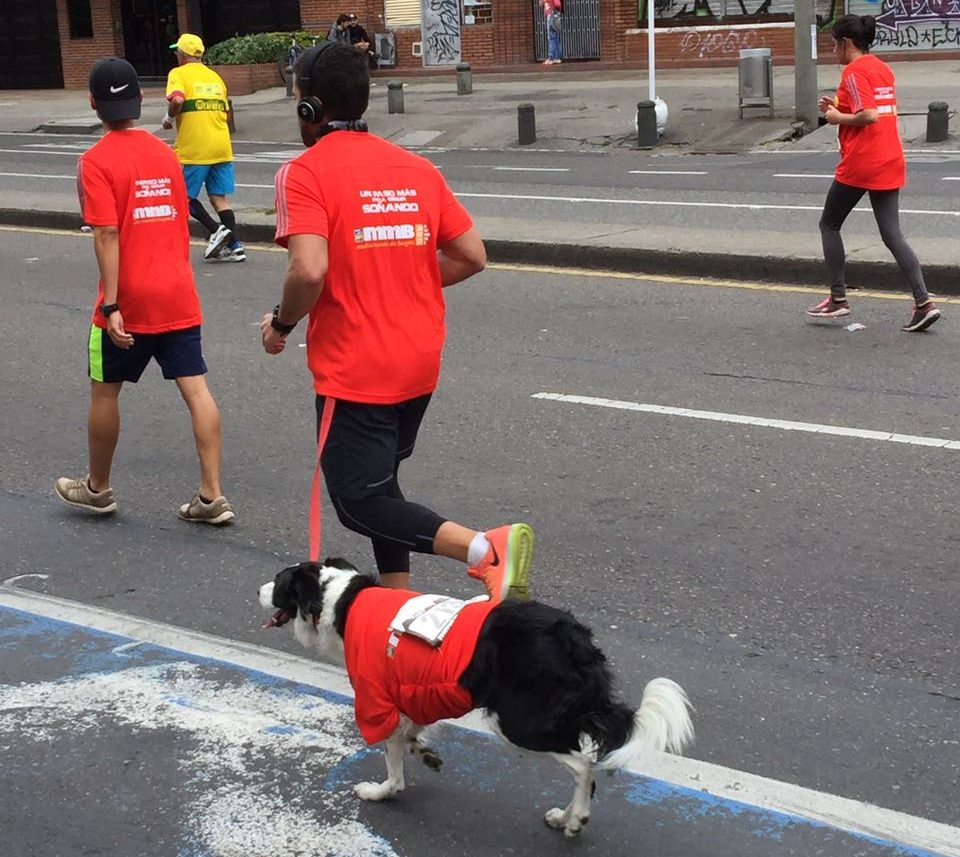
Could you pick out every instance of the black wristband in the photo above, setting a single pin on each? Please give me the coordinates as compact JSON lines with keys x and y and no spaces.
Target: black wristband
{"x":106,"y":310}
{"x":276,"y":324}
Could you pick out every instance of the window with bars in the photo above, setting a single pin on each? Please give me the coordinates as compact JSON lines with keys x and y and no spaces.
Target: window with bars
{"x":477,"y":12}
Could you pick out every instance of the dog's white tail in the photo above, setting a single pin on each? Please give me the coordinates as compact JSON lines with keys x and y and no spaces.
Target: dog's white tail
{"x":662,"y":722}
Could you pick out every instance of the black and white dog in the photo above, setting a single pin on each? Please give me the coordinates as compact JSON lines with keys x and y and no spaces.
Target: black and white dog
{"x":535,"y":670}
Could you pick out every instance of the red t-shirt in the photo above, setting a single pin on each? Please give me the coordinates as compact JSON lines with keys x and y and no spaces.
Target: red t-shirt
{"x":377,"y":330}
{"x":132,"y":180}
{"x":419,"y":680}
{"x":871,"y":156}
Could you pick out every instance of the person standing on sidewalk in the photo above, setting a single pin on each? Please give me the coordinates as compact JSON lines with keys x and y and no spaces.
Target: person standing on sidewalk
{"x":871,"y":161}
{"x":553,"y":14}
{"x":132,"y":194}
{"x":197,"y":102}
{"x":373,"y":235}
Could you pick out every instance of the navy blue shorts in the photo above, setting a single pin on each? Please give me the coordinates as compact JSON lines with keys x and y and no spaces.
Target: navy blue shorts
{"x":178,"y":352}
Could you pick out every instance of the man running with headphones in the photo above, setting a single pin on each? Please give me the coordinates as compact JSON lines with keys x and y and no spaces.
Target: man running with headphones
{"x":373,"y":235}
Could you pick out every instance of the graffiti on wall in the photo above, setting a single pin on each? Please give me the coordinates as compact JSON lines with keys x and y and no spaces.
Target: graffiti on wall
{"x":913,"y":25}
{"x":720,"y":44}
{"x":723,"y":9}
{"x":441,"y":32}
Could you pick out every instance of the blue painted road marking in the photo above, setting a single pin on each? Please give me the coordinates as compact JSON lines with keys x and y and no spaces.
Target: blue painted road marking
{"x":147,"y":749}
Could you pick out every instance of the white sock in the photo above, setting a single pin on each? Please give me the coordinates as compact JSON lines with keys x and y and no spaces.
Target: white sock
{"x":478,"y":549}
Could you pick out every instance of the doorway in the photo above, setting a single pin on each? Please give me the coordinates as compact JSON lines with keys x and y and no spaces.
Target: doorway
{"x":149,"y":28}
{"x":581,"y":30}
{"x":29,"y":45}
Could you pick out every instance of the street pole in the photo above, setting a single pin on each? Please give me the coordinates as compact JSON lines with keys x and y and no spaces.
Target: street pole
{"x":805,"y":63}
{"x":651,"y":54}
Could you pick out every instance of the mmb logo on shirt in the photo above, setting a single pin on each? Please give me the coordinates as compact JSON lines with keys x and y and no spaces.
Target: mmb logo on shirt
{"x":392,"y":235}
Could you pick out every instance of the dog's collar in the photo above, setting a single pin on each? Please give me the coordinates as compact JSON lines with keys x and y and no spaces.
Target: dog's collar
{"x":281,"y":617}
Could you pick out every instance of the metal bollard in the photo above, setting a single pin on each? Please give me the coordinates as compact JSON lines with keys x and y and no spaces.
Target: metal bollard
{"x":289,"y":81}
{"x":526,"y":124}
{"x":937,"y":122}
{"x":646,"y":124}
{"x":231,"y":120}
{"x":464,"y":79}
{"x":395,"y":96}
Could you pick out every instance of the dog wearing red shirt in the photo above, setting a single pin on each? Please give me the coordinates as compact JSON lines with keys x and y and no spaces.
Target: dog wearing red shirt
{"x":534,"y":670}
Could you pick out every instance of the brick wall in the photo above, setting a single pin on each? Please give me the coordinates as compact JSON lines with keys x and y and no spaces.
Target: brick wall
{"x":79,"y":54}
{"x":476,"y":44}
{"x":319,"y":15}
{"x":717,"y":46}
{"x":244,"y":79}
{"x":513,"y":32}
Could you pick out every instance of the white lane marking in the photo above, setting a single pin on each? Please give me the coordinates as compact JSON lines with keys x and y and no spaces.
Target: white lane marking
{"x":73,"y":146}
{"x":74,"y":178}
{"x":595,"y":200}
{"x":950,"y":179}
{"x":803,"y":175}
{"x":668,"y":172}
{"x":36,"y":176}
{"x":785,"y":425}
{"x":11,"y":580}
{"x":60,"y":152}
{"x":662,"y":202}
{"x":725,"y":783}
{"x":523,"y":169}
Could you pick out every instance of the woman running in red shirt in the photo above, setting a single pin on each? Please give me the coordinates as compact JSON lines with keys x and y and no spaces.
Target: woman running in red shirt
{"x":871,"y":161}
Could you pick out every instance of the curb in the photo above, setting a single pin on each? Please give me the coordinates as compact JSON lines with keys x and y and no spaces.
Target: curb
{"x":880,"y":276}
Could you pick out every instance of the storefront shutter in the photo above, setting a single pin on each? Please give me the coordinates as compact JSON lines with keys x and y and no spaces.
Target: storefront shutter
{"x":402,"y":13}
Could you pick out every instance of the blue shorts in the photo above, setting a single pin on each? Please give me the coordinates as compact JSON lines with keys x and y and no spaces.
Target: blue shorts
{"x":178,"y":352}
{"x":218,"y":178}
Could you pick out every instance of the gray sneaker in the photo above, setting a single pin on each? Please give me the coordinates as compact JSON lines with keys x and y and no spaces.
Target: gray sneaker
{"x":77,"y":493}
{"x":218,"y":511}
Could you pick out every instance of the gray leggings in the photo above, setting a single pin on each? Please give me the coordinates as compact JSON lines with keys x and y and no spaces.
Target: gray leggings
{"x":841,"y":200}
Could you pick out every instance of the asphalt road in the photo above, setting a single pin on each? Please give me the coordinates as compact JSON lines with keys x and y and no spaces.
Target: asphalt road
{"x":802,"y":586}
{"x":768,"y":202}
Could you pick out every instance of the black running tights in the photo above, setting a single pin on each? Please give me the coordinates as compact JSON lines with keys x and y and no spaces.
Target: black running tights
{"x":841,"y":200}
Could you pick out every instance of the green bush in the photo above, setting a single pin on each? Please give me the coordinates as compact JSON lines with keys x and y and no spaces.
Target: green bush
{"x":258,"y":47}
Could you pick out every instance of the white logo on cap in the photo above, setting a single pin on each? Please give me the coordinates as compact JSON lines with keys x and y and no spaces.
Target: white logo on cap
{"x":116,"y":89}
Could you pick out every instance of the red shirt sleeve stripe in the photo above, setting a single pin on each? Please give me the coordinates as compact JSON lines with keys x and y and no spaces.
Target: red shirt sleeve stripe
{"x":280,"y":201}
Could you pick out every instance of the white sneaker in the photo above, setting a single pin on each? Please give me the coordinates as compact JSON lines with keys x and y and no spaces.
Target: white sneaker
{"x":217,"y":241}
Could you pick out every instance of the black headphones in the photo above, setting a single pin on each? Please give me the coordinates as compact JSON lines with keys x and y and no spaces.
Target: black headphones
{"x":310,"y":108}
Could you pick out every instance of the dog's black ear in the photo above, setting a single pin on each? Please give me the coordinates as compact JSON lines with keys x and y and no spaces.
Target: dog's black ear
{"x":310,"y":568}
{"x":308,"y":592}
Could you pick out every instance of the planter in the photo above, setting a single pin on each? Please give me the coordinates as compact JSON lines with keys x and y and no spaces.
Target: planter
{"x":244,"y":79}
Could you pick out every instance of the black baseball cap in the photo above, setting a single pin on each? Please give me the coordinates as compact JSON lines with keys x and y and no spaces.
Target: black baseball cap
{"x":115,"y":88}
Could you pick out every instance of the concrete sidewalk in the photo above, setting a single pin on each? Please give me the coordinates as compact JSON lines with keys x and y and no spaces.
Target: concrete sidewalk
{"x":577,"y":109}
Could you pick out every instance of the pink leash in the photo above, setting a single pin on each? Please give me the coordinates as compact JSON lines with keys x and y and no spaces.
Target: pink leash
{"x":316,"y":513}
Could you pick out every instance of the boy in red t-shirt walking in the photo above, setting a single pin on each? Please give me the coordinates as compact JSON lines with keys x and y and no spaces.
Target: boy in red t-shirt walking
{"x":133,"y":195}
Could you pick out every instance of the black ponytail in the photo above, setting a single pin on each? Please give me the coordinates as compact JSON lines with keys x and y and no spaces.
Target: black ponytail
{"x":860,"y":29}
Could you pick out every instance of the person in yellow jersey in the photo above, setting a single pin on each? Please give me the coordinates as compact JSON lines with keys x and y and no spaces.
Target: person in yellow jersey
{"x":197,"y":102}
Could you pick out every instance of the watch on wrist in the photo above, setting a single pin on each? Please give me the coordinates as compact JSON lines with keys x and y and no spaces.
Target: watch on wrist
{"x":277,"y":325}
{"x":106,"y":310}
